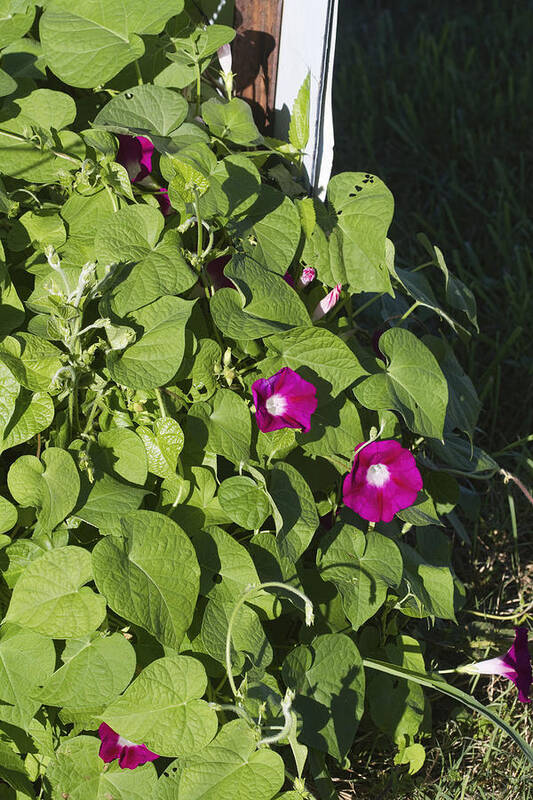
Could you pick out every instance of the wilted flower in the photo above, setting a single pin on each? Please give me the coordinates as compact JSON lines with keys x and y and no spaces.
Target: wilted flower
{"x":129,"y":754}
{"x":284,"y":400}
{"x":135,"y":154}
{"x":384,"y":479}
{"x":308,"y":275}
{"x":515,"y":665}
{"x":327,"y":303}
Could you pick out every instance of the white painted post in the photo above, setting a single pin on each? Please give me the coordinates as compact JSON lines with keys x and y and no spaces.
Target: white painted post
{"x":308,"y":30}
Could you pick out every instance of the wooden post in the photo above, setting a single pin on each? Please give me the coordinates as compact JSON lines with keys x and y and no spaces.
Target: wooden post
{"x":255,"y":56}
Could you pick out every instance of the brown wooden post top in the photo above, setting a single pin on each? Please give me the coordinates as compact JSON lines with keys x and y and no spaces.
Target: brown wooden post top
{"x":255,"y":55}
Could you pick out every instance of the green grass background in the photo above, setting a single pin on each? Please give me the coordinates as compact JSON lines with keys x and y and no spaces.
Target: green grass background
{"x":437,"y":99}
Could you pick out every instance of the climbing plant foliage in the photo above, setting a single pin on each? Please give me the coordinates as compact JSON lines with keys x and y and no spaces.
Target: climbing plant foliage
{"x":168,"y":568}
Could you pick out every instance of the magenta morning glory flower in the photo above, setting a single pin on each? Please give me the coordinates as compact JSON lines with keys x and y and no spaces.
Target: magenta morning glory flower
{"x":135,"y":154}
{"x":308,"y":275}
{"x":285,"y":400}
{"x":129,"y":754}
{"x":327,"y":303}
{"x":384,"y":479}
{"x":514,"y":665}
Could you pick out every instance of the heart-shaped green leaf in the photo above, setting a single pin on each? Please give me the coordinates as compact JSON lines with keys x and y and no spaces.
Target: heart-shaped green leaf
{"x":162,"y":709}
{"x":229,"y":768}
{"x":154,"y":560}
{"x":412,"y":383}
{"x":50,"y":596}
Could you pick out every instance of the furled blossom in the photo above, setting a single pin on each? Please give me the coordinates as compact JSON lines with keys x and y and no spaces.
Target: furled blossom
{"x":327,"y":303}
{"x":308,"y":275}
{"x":514,"y":665}
{"x":285,"y":400}
{"x":289,"y":279}
{"x":384,"y":479}
{"x":129,"y":754}
{"x":224,"y":58}
{"x":135,"y":154}
{"x":215,"y":270}
{"x":164,"y":202}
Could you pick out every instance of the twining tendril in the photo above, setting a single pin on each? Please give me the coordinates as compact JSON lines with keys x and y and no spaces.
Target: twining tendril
{"x":309,"y":619}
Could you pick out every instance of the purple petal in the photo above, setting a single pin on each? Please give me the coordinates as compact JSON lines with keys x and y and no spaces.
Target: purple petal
{"x":135,"y":154}
{"x":515,"y":665}
{"x":145,"y":161}
{"x":164,"y":202}
{"x":289,"y":279}
{"x":518,"y":658}
{"x":110,"y":748}
{"x":285,"y":400}
{"x":376,"y":336}
{"x":134,"y":755}
{"x":215,"y":270}
{"x":129,"y":754}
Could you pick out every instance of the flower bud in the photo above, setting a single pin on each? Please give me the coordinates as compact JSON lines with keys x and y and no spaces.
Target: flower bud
{"x":224,"y":58}
{"x":308,"y":275}
{"x":327,"y":303}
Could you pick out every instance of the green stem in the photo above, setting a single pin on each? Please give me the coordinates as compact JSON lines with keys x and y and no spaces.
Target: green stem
{"x":199,"y":237}
{"x":500,"y":617}
{"x":138,"y":72}
{"x":241,"y":712}
{"x":409,"y":311}
{"x":27,"y":191}
{"x":201,"y":255}
{"x":73,"y":411}
{"x":92,"y":412}
{"x":513,"y":445}
{"x":111,"y":194}
{"x":456,"y":694}
{"x":423,"y":266}
{"x":198,"y":87}
{"x":367,"y":304}
{"x":161,"y":403}
{"x":508,"y":476}
{"x":57,"y":153}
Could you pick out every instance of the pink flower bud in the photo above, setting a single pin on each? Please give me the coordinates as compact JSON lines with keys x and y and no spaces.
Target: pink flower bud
{"x":224,"y":58}
{"x":327,"y":303}
{"x":308,"y":275}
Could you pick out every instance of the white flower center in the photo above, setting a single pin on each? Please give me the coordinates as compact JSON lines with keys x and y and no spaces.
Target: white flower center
{"x":377,"y":475}
{"x":276,"y":405}
{"x":122,"y":742}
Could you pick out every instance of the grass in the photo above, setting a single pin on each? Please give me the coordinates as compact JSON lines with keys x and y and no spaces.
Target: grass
{"x":437,"y":99}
